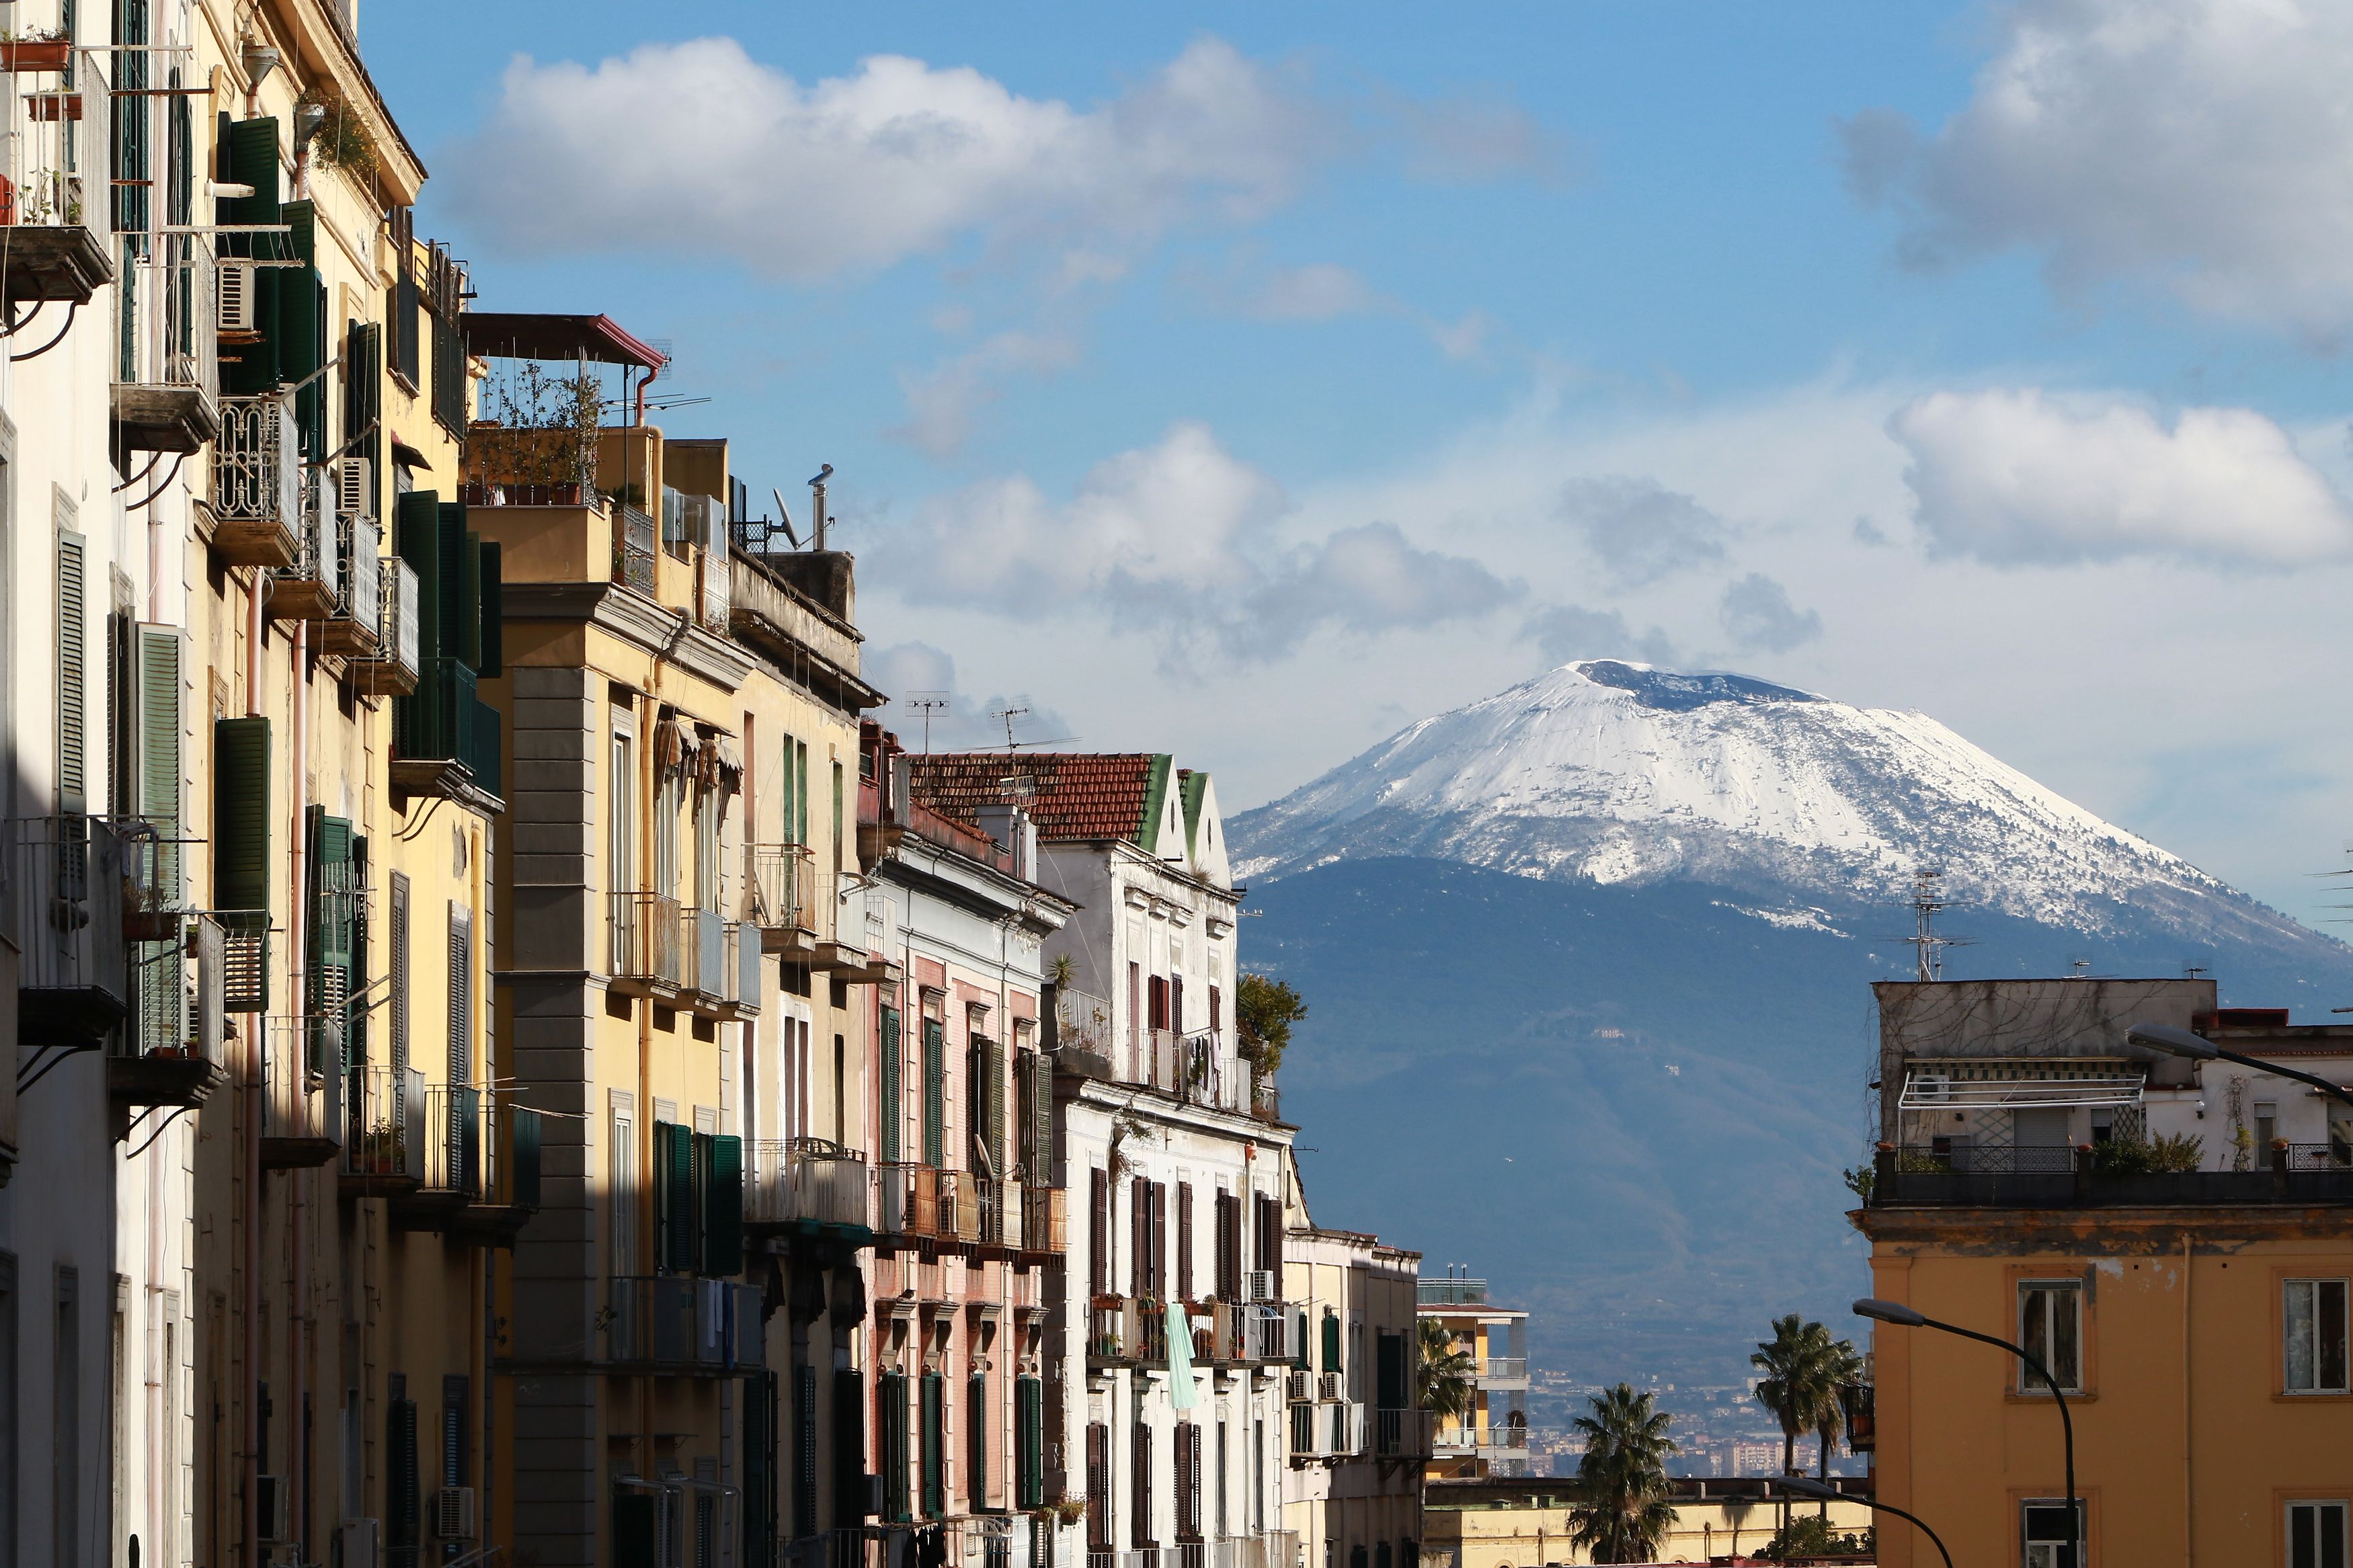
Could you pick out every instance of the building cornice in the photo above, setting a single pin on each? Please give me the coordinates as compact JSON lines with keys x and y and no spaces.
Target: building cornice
{"x":666,"y":634}
{"x":2103,"y":1231}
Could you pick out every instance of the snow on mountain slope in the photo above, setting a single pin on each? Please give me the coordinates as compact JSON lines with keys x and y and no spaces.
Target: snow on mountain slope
{"x":1624,"y":772}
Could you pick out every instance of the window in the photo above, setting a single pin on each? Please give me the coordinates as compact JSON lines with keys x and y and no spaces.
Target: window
{"x":2266,"y":1130}
{"x":625,"y":806}
{"x":399,"y":935}
{"x":2051,"y":1327}
{"x":622,"y":1161}
{"x":2312,"y":1318}
{"x":64,"y":1432}
{"x":2044,"y":1521}
{"x":2315,"y":1535}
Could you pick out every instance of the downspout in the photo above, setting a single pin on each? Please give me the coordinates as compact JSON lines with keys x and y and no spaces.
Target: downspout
{"x":297,"y":1182}
{"x":2188,"y":1502}
{"x":256,"y":1090}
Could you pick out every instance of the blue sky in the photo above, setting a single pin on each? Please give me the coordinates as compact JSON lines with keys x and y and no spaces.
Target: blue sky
{"x":1250,"y":382}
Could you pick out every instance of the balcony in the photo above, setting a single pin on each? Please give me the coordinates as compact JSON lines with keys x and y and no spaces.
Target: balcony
{"x":302,"y":1091}
{"x":1923,"y":1176}
{"x":1125,"y":1331}
{"x":644,"y":954}
{"x":809,"y":1184}
{"x":674,"y":1324}
{"x":1270,"y":1333}
{"x":384,"y":1151}
{"x":355,"y":627}
{"x":477,"y":1172}
{"x":925,"y":1204}
{"x":256,"y":496}
{"x":1328,"y":1430}
{"x":1504,"y":1373}
{"x":1461,"y":1292}
{"x":781,"y":880}
{"x":56,"y":219}
{"x":1402,"y":1434}
{"x":166,"y":398}
{"x":65,"y":913}
{"x":390,"y":670}
{"x":312,"y":588}
{"x":633,"y":550}
{"x":170,"y":1050}
{"x":444,"y":739}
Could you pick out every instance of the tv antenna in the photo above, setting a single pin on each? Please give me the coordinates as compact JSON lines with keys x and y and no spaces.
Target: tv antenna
{"x":1928,"y":901}
{"x":1010,"y":714}
{"x":930,"y":704}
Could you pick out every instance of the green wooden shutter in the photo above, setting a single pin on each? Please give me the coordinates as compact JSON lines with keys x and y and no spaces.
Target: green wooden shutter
{"x":73,"y":675}
{"x":700,"y":1213}
{"x":804,"y":1450}
{"x":160,"y":774}
{"x":355,"y":1027}
{"x":301,"y":327}
{"x":680,"y":1205}
{"x":416,"y":537}
{"x":850,"y":1504}
{"x":469,"y":596}
{"x":1030,"y":1405}
{"x":992,"y":1064}
{"x":934,"y":1411}
{"x":893,"y":1396}
{"x":403,"y":1523}
{"x":723,"y":1222}
{"x":935,"y":1071}
{"x":253,"y":367}
{"x":894,"y":1105}
{"x":461,"y":588}
{"x":975,"y":1486}
{"x":492,"y":660}
{"x":241,"y":775}
{"x":1299,"y":1351}
{"x":1331,"y":1340}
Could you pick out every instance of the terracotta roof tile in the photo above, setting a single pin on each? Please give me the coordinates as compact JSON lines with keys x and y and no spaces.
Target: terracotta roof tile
{"x":1068,"y":795}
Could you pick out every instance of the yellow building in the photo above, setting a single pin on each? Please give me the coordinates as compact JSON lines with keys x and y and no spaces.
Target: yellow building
{"x":1494,"y":1438}
{"x":1525,"y":1524}
{"x":2195,"y":1312}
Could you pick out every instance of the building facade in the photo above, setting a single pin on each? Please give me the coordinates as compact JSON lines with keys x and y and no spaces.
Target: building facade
{"x":1493,"y":1438}
{"x":2170,"y":1237}
{"x":1526,"y":1523}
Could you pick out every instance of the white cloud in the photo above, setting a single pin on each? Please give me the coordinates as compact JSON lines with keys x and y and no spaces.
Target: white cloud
{"x":2015,"y":476}
{"x":1465,"y":339}
{"x":2199,"y":144}
{"x":1641,"y":531}
{"x":1568,"y":632}
{"x":1758,"y":615}
{"x":1471,"y":139}
{"x":695,"y":149}
{"x":1318,"y":292}
{"x":1178,"y":538}
{"x":943,"y":403}
{"x":914,"y":674}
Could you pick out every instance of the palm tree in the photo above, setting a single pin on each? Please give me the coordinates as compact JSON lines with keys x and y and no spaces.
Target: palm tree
{"x":1796,"y":1383}
{"x":1621,"y":1512}
{"x":1841,"y":1366}
{"x":1447,"y":1378}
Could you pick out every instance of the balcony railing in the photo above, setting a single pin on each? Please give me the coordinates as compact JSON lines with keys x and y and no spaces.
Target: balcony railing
{"x":166,"y":390}
{"x":1045,"y":1219}
{"x":807,"y":1181}
{"x":387,"y":1141}
{"x":1505,"y":1369}
{"x":1926,"y":1175}
{"x":255,"y":476}
{"x":445,"y":724}
{"x":58,"y":206}
{"x":642,"y":930}
{"x":920,"y":1201}
{"x":459,"y":1140}
{"x":991,"y":1199}
{"x":633,"y":549}
{"x":391,"y":668}
{"x":782,"y":883}
{"x":301,"y":1090}
{"x":702,"y":938}
{"x":65,"y":879}
{"x":355,"y":625}
{"x":1402,"y":1434}
{"x":1269,"y":1332}
{"x":1451,"y":1293}
{"x":710,"y":1326}
{"x":1123,"y":1329}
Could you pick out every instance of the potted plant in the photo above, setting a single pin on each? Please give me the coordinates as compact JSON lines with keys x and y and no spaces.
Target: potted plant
{"x":38,"y":50}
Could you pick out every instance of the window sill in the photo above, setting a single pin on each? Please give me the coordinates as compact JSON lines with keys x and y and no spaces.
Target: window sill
{"x":2042,"y":1396}
{"x":2340,"y":1396}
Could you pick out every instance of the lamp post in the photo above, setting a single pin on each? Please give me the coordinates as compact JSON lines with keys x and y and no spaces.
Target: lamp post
{"x":1901,"y":1316}
{"x":2176,"y":1042}
{"x":1805,"y":1487}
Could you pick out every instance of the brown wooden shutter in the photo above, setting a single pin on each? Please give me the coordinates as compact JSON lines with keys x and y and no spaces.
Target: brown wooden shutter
{"x":1140,"y":1526}
{"x":1160,"y":1240}
{"x":1184,"y":1241}
{"x":1230,"y":1248}
{"x":1098,"y":1486}
{"x":1098,"y":1233}
{"x":1139,"y":1237}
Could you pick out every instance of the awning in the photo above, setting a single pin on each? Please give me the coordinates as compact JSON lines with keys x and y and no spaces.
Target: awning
{"x":521,"y":334}
{"x":1932,"y":1090}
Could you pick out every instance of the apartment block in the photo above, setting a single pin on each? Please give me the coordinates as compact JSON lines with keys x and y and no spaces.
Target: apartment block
{"x":1493,"y":1438}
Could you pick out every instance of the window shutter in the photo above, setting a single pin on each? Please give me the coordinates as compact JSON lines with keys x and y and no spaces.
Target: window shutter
{"x":301,"y":326}
{"x":494,"y":600}
{"x":698,"y":1211}
{"x":461,"y":994}
{"x":1030,"y":1421}
{"x":723,"y":1243}
{"x":241,"y":772}
{"x":804,"y":1450}
{"x":1139,"y":1236}
{"x":1140,"y":1533}
{"x":1331,"y":1340}
{"x":417,"y":536}
{"x":468,"y":608}
{"x":399,"y":974}
{"x":161,"y":656}
{"x":1184,"y":1241}
{"x":992,"y":1059}
{"x":73,"y":683}
{"x":934,"y":1457}
{"x":403,"y":1522}
{"x":1299,"y":1351}
{"x":976,"y":1416}
{"x":850,"y":1504}
{"x":1389,"y":1371}
{"x":1098,"y":1233}
{"x":1098,"y":1486}
{"x":674,"y":1147}
{"x":893,"y":1106}
{"x":893,"y":1397}
{"x":1230,"y":1248}
{"x":252,"y":146}
{"x":364,"y":401}
{"x":1158,"y":1241}
{"x":935,"y":1068}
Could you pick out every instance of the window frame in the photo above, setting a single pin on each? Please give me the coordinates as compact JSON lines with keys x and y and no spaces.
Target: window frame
{"x":2024,"y":1382}
{"x":2283,"y":1280}
{"x":2286,"y":1501}
{"x":2086,"y":1548}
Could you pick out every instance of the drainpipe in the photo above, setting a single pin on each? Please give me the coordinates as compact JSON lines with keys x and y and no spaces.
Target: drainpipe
{"x":298,"y":1182}
{"x":254,"y":1089}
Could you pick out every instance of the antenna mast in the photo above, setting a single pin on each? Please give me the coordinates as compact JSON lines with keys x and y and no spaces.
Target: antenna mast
{"x":1010,"y":714}
{"x":928,"y":704}
{"x":1928,"y":900}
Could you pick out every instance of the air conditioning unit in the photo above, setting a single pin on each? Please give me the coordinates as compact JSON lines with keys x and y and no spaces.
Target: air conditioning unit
{"x":453,"y":1513}
{"x":355,"y":487}
{"x":361,"y":1539}
{"x":235,"y":298}
{"x":269,"y":1506}
{"x":1332,"y":1385}
{"x":1258,"y":1285}
{"x":1931,"y":1089}
{"x":1298,"y":1387}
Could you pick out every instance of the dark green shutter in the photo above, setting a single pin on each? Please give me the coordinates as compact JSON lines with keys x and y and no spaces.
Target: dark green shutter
{"x":459,"y":585}
{"x":1299,"y":1351}
{"x":492,"y":660}
{"x":1331,"y":1341}
{"x":417,"y":536}
{"x":992,"y":1064}
{"x":249,"y":368}
{"x":684,"y":1234}
{"x":301,"y":326}
{"x":893,"y":1106}
{"x":723,"y":1221}
{"x":804,"y":1450}
{"x":73,"y":676}
{"x":241,"y":775}
{"x":850,"y":1503}
{"x":469,"y":597}
{"x":975,"y":1397}
{"x":935,"y":1071}
{"x":893,"y":1396}
{"x":934,"y":1414}
{"x":1029,"y":1418}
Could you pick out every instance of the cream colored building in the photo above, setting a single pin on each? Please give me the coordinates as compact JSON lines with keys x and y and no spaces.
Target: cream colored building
{"x":1525,"y":1524}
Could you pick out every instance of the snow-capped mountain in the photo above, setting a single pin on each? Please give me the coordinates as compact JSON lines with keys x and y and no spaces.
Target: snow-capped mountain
{"x":1624,"y":772}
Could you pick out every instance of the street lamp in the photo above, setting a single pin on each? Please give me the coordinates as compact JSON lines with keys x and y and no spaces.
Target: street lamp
{"x":1804,"y":1487}
{"x":2176,"y":1042}
{"x":1903,"y":1317}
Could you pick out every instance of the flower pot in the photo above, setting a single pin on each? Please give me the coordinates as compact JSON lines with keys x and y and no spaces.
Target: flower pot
{"x":37,"y":55}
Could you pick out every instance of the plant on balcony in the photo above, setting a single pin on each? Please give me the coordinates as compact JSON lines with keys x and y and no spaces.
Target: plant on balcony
{"x":1621,"y":1513}
{"x":1069,"y":1510}
{"x":542,"y":433}
{"x":1264,"y":1010}
{"x":2138,"y":1156}
{"x":1126,"y":1125}
{"x":34,"y":49}
{"x":382,"y":1150}
{"x":1446,"y":1377}
{"x":343,"y":140}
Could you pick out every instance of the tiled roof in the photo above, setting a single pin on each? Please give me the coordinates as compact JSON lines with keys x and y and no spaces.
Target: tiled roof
{"x":1068,"y":795}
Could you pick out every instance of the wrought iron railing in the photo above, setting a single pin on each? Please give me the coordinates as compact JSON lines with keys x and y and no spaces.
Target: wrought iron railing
{"x":643,"y":931}
{"x":633,"y":549}
{"x":807,"y":1181}
{"x":65,"y":883}
{"x":781,"y":880}
{"x":701,"y":1325}
{"x":386,"y":1138}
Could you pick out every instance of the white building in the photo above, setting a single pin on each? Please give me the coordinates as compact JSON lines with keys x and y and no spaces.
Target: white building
{"x":1171,"y":1335}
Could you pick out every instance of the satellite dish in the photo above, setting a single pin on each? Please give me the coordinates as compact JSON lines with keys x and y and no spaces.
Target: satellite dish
{"x":784,"y":518}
